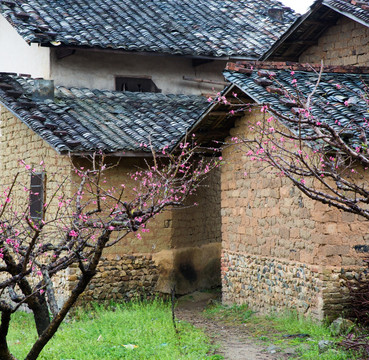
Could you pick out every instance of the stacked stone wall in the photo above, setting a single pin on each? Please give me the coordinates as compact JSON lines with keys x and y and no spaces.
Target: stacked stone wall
{"x":346,"y":43}
{"x":121,"y":278}
{"x":265,"y":283}
{"x":266,"y":221}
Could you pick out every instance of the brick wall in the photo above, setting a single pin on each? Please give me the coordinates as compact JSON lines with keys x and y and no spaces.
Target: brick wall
{"x":346,"y":43}
{"x":267,"y":223}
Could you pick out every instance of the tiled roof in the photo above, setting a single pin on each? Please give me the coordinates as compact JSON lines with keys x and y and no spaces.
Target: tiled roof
{"x":328,"y":101}
{"x":212,"y":28}
{"x":358,"y":10}
{"x":84,"y":120}
{"x":307,"y":29}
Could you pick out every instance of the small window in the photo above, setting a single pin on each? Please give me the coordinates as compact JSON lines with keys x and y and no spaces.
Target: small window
{"x":135,"y":84}
{"x":36,"y":198}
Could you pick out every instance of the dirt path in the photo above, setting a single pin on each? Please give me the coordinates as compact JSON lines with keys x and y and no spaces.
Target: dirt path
{"x":235,"y":343}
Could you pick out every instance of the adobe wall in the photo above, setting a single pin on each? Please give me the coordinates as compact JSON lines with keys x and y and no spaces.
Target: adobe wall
{"x":182,"y":247}
{"x":346,"y":43}
{"x":98,"y":69}
{"x":18,"y":142}
{"x":281,"y":250}
{"x":184,"y":244}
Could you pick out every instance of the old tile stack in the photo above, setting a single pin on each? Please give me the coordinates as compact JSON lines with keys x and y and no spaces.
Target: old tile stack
{"x":338,"y":100}
{"x":84,"y":120}
{"x":199,"y":28}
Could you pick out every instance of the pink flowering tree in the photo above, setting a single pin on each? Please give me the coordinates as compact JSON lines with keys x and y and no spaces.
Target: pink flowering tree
{"x":75,"y":228}
{"x":326,"y":160}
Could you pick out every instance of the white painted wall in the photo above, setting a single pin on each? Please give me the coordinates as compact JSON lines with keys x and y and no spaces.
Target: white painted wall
{"x":19,"y":57}
{"x":97,"y":70}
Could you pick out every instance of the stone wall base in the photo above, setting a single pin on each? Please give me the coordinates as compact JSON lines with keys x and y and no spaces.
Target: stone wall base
{"x":140,"y":275}
{"x":274,"y":285}
{"x":121,"y":278}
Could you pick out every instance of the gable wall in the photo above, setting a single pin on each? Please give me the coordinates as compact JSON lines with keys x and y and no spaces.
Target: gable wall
{"x":97,"y":70}
{"x":19,"y":57}
{"x":280,"y":249}
{"x":346,"y":43}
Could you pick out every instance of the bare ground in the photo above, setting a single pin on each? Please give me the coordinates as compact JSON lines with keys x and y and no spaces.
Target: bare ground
{"x":235,"y":343}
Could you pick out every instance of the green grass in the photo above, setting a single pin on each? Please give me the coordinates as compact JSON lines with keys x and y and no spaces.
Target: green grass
{"x":307,"y":347}
{"x":273,"y":329}
{"x":101,"y":333}
{"x":233,"y":313}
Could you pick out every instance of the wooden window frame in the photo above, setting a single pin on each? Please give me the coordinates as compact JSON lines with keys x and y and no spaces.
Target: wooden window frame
{"x":37,"y":196}
{"x":135,"y":84}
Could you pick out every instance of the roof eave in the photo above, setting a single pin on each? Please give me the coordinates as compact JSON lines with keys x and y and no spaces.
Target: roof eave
{"x":122,"y":154}
{"x":20,"y":119}
{"x":349,"y":15}
{"x":147,"y":53}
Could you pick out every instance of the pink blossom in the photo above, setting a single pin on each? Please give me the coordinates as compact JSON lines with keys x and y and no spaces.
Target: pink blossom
{"x":73,"y":233}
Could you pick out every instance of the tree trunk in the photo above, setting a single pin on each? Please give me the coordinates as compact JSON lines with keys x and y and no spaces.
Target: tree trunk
{"x":41,"y":314}
{"x":4,"y":350}
{"x":37,"y":303}
{"x":84,"y":280}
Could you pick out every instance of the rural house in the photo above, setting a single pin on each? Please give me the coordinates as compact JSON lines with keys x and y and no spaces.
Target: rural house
{"x":115,"y":66}
{"x":280,"y":249}
{"x":136,"y":45}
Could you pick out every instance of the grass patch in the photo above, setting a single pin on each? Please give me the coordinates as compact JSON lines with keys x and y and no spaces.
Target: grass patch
{"x":234,"y":313}
{"x":127,"y":331}
{"x":287,"y":331}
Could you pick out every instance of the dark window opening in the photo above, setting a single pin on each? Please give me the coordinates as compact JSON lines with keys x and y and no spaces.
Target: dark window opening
{"x":135,"y":84}
{"x":36,"y":198}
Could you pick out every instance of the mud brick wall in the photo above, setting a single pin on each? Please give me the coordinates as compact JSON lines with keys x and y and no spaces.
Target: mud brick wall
{"x":18,"y":142}
{"x":185,"y":242}
{"x":267,"y":224}
{"x":121,"y":278}
{"x":346,"y":43}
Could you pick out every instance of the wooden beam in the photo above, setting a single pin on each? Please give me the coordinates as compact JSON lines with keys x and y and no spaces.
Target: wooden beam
{"x":188,"y":78}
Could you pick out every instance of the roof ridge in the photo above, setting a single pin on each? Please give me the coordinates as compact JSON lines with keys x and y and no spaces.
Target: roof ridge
{"x":249,"y":66}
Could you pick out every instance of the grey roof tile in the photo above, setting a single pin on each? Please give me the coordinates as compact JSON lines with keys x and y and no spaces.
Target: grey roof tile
{"x":328,"y":101}
{"x":193,"y":27}
{"x":358,"y":10}
{"x":80,"y":120}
